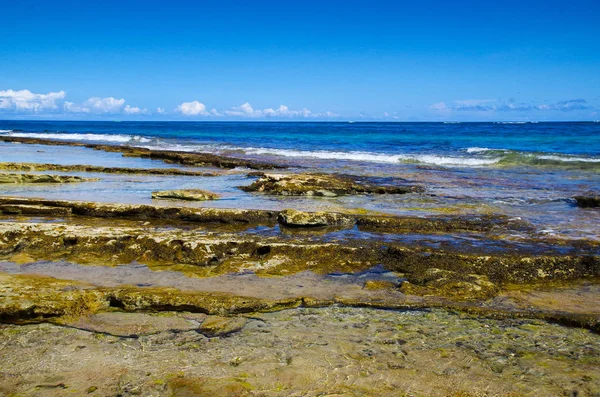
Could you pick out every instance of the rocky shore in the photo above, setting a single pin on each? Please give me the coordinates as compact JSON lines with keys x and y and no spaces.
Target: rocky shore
{"x":178,"y":300}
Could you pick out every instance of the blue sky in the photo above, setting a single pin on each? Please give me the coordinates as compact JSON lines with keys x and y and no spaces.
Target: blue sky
{"x":309,"y":60}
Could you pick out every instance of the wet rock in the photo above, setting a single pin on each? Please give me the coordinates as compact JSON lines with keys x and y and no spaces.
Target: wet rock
{"x":136,"y":324}
{"x":141,"y":212}
{"x":94,"y":168}
{"x":23,"y":209}
{"x":37,"y":178}
{"x":379,"y":284}
{"x":187,"y":194}
{"x":500,"y":268}
{"x":322,"y":185}
{"x":294,"y":218}
{"x":588,"y":201}
{"x":413,"y":224}
{"x":185,"y":158}
{"x":450,"y":284}
{"x":215,"y":326}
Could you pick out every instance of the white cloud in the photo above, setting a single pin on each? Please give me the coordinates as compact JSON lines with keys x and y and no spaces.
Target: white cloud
{"x":194,"y":108}
{"x":495,"y":105}
{"x":27,"y":101}
{"x":160,"y":110}
{"x":97,"y":105}
{"x":104,"y":105}
{"x":134,"y":110}
{"x":215,"y":112}
{"x":246,"y":110}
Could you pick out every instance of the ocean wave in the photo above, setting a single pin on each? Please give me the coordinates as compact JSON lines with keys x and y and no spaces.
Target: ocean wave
{"x":479,"y":149}
{"x":373,"y":157}
{"x":80,"y":137}
{"x":5,"y":131}
{"x":569,"y":158}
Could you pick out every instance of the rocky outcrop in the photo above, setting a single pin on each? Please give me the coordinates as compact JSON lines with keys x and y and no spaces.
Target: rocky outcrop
{"x":447,"y":224}
{"x":294,"y":218}
{"x":323,"y":185}
{"x":31,"y":167}
{"x":186,"y":194}
{"x":587,"y":201}
{"x":447,"y":283}
{"x":174,"y":157}
{"x":32,"y":206}
{"x":38,"y":178}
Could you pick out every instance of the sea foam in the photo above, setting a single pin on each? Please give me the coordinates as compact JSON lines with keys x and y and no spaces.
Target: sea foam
{"x":82,"y":137}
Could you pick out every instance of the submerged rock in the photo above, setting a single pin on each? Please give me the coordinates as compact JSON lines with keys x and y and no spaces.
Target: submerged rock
{"x":214,"y":326}
{"x":322,"y":185}
{"x":187,"y":194}
{"x":36,"y":178}
{"x":294,"y":218}
{"x":588,"y":201}
{"x":136,"y":324}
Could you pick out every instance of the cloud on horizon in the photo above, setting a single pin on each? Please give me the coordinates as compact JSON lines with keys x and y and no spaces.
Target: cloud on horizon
{"x":193,"y":108}
{"x":246,"y":110}
{"x":27,"y":101}
{"x":494,"y":105}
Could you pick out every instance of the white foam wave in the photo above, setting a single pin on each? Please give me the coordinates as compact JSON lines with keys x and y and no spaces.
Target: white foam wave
{"x":5,"y":131}
{"x":479,"y":149}
{"x":82,"y":137}
{"x":373,"y":157}
{"x":569,"y":159}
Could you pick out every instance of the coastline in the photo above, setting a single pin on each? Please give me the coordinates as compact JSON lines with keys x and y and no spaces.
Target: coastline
{"x":69,"y":269}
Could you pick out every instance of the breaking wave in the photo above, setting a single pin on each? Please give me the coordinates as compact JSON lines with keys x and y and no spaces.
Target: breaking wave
{"x":63,"y":136}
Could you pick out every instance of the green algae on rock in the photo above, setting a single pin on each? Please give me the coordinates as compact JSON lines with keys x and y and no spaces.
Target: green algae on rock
{"x":37,"y":178}
{"x":324,"y":185}
{"x":185,"y":194}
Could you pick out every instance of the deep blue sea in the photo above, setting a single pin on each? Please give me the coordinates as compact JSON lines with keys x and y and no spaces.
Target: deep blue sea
{"x":572,"y":145}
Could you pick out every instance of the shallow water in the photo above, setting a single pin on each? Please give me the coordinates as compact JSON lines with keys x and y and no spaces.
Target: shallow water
{"x":541,"y":193}
{"x":348,"y":285}
{"x":311,"y":352}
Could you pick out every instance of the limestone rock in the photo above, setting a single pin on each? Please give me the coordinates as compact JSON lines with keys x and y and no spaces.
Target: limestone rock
{"x":38,"y":178}
{"x":450,"y":284}
{"x":294,"y":218}
{"x":323,"y":185}
{"x":187,"y":194}
{"x":214,"y":326}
